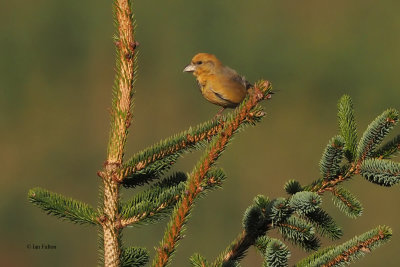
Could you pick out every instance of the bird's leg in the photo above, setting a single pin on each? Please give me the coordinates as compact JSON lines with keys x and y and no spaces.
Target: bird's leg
{"x":219,"y":113}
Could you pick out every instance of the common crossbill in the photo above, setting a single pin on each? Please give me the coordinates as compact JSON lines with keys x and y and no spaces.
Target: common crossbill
{"x":219,"y":84}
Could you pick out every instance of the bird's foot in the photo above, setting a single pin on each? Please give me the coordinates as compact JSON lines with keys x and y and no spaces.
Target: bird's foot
{"x":219,"y":114}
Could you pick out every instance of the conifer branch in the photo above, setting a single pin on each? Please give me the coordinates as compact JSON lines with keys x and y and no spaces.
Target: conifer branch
{"x":299,"y":232}
{"x":348,"y":251}
{"x":346,"y":202}
{"x":174,"y":230}
{"x":63,"y":207}
{"x":153,"y":161}
{"x":381,"y":171}
{"x":375,"y":133}
{"x":333,"y":172}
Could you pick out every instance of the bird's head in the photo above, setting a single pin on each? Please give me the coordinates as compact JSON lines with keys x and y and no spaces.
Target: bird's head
{"x":203,"y":63}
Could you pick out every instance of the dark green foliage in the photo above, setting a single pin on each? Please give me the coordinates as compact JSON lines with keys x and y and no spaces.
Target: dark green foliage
{"x":198,"y":261}
{"x":155,"y":203}
{"x":375,"y":133}
{"x":331,"y":158}
{"x":347,"y":202}
{"x":152,"y":171}
{"x":254,"y":218}
{"x":173,"y":180}
{"x":63,"y":207}
{"x":134,"y":257}
{"x":349,"y":251}
{"x":324,"y":223}
{"x":381,"y":171}
{"x":305,"y":202}
{"x":389,"y":149}
{"x":347,"y":126}
{"x":292,"y":187}
{"x":280,"y":210}
{"x":231,"y":263}
{"x":299,"y":232}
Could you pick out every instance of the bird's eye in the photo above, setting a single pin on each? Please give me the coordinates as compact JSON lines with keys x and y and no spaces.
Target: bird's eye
{"x":199,"y":62}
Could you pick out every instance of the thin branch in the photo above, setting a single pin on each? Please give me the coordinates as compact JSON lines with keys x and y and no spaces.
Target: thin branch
{"x":194,"y":186}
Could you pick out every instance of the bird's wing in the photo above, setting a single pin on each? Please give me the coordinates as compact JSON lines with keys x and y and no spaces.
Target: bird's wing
{"x":236,"y":77}
{"x":223,"y":98}
{"x":229,"y":86}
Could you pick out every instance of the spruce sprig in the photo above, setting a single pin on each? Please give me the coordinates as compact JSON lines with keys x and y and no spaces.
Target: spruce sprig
{"x":348,"y":251}
{"x":63,"y":207}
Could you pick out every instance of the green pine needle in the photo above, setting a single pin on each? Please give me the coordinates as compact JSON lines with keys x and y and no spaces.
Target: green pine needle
{"x":63,"y":207}
{"x":381,"y":171}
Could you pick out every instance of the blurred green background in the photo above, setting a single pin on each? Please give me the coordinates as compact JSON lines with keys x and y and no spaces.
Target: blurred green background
{"x":56,"y":74}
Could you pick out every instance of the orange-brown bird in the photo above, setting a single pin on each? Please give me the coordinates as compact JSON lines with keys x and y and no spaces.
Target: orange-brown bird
{"x":219,"y":84}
